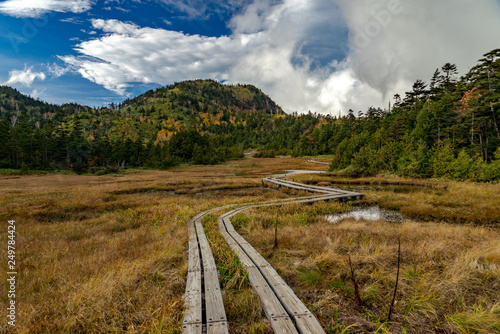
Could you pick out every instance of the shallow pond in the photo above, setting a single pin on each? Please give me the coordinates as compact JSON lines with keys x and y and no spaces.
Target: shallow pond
{"x":368,"y":213}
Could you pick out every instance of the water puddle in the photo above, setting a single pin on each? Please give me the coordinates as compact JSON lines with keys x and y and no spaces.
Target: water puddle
{"x":368,"y":213}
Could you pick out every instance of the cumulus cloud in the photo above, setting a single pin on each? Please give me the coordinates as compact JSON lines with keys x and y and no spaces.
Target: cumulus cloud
{"x":393,"y":43}
{"x":322,"y":55}
{"x":31,"y":8}
{"x":129,"y":54}
{"x":389,"y":45}
{"x":24,"y":77}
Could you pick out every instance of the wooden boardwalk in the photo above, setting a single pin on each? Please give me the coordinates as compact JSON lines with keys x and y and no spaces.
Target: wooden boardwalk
{"x":318,"y":162}
{"x":203,"y":298}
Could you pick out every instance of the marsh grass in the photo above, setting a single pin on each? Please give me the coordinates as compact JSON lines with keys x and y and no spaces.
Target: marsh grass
{"x":453,"y":202}
{"x":449,"y":280}
{"x":242,"y":305}
{"x":102,"y":254}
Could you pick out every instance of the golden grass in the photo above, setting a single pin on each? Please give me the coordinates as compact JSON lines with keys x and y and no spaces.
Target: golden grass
{"x":450,"y":274}
{"x":454,"y":202}
{"x":103,"y":254}
{"x":107,"y":254}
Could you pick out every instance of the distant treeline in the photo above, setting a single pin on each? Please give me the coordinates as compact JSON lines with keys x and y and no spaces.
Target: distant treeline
{"x":446,"y":128}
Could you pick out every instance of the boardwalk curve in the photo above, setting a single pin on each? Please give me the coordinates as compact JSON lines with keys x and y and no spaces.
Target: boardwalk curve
{"x":284,"y":310}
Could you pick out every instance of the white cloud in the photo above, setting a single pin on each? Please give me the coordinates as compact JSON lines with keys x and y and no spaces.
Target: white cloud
{"x":73,"y":20}
{"x":408,"y":44}
{"x":56,"y":71}
{"x":395,"y":42}
{"x":320,"y":55}
{"x":130,"y":54}
{"x":24,"y":77}
{"x":31,"y":8}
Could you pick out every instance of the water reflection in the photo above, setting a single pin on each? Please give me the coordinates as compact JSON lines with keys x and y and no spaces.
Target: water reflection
{"x":368,"y":213}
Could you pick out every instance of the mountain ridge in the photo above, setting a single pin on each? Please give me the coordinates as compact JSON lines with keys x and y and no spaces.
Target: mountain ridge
{"x":449,"y":129}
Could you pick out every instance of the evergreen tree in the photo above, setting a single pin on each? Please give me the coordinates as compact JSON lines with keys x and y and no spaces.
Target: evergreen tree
{"x":5,"y":144}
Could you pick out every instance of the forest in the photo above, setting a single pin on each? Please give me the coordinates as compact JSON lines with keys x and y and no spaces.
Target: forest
{"x":446,"y":128}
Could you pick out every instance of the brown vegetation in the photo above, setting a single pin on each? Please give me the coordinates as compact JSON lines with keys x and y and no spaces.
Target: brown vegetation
{"x":429,"y":200}
{"x":107,"y":254}
{"x":449,"y":280}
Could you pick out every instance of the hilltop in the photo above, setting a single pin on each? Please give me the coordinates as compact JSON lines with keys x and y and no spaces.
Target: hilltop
{"x":201,"y":121}
{"x":185,"y":101}
{"x":446,"y":129}
{"x":189,"y":104}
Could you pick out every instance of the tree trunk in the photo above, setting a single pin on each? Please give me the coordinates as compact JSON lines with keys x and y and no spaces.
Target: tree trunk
{"x":494,"y":120}
{"x":472,"y":135}
{"x":486,"y":150}
{"x":491,"y":106}
{"x":482,"y":148}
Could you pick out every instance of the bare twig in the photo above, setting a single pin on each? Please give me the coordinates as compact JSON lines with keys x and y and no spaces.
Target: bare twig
{"x":356,"y":287}
{"x":275,"y":236}
{"x":397,"y":280}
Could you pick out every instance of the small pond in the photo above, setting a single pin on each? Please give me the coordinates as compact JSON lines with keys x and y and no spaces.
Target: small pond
{"x":368,"y":213}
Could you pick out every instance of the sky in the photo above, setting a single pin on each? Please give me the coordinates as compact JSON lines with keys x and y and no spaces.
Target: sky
{"x":324,"y":56}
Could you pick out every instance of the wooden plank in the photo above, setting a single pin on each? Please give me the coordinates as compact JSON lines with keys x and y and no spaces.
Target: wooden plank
{"x":270,"y":303}
{"x":220,"y":223}
{"x":225,"y":235}
{"x":279,"y":319}
{"x":191,"y":229}
{"x":238,"y":238}
{"x":217,"y":328}
{"x":300,"y":186}
{"x":230,"y":213}
{"x":290,"y":301}
{"x":308,"y":324}
{"x":206,"y":253}
{"x":192,"y":298}
{"x":242,"y":256}
{"x":255,"y":256}
{"x":283,"y":325}
{"x":277,"y":297}
{"x":229,"y":226}
{"x":192,"y":328}
{"x":324,"y":198}
{"x":193,"y":254}
{"x":214,"y":305}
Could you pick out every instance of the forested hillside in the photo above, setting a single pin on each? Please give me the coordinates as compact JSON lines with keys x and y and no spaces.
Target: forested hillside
{"x":184,"y":122}
{"x":448,"y":128}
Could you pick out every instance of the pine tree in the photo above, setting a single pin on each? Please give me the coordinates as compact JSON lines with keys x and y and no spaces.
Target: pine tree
{"x":5,"y":144}
{"x":441,"y":160}
{"x":23,"y":140}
